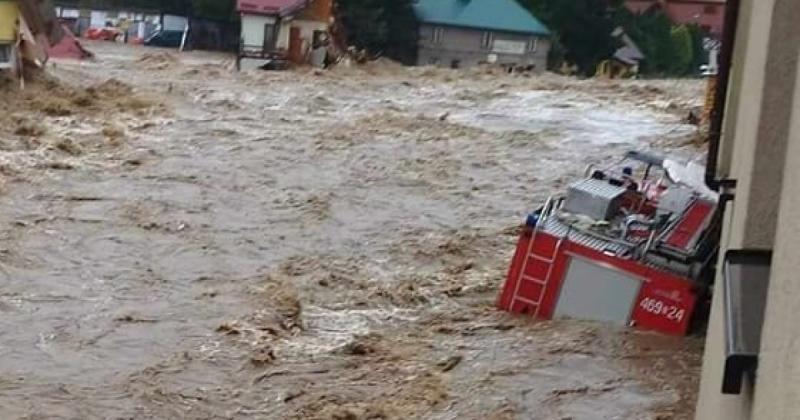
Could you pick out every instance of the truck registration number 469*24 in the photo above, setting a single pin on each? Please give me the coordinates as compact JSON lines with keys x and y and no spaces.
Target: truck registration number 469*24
{"x":659,"y":307}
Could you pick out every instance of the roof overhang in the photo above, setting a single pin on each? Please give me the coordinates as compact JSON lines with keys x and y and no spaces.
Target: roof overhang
{"x":278,"y":8}
{"x":483,"y":28}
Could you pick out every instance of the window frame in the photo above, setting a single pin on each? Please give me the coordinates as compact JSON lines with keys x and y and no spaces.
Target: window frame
{"x":487,"y":40}
{"x":6,"y":53}
{"x":438,"y":34}
{"x":533,"y":45}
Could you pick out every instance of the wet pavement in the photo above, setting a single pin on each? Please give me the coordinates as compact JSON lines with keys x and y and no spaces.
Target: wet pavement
{"x":313,"y":244}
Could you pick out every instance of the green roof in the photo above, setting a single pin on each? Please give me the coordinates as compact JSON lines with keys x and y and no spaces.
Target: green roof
{"x":499,"y":15}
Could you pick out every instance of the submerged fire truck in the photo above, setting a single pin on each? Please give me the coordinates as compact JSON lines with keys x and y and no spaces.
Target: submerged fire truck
{"x":631,"y":244}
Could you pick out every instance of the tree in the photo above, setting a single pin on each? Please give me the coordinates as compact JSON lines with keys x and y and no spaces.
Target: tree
{"x":382,"y":27}
{"x":699,"y":52}
{"x":682,"y":48}
{"x":583,"y":28}
{"x":652,"y":32}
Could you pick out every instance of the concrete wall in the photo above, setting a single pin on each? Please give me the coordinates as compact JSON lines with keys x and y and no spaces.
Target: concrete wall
{"x":778,"y":377}
{"x":761,"y":137}
{"x":743,"y":117}
{"x":465,"y":46}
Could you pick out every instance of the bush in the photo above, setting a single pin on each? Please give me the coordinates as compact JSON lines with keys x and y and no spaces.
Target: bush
{"x":582,"y":27}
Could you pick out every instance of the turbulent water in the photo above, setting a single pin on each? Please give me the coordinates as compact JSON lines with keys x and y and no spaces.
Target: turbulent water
{"x":312,"y":245}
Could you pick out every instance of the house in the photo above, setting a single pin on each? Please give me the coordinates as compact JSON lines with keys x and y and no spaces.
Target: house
{"x":709,"y":14}
{"x":464,"y":33}
{"x":9,"y":28}
{"x":27,"y":29}
{"x":281,"y":30}
{"x":626,"y":59}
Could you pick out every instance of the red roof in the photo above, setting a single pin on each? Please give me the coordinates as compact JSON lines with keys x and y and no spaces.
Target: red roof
{"x":269,"y":7}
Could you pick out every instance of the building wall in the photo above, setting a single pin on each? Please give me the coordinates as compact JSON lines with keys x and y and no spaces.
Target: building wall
{"x":317,"y":16}
{"x":9,"y":16}
{"x":282,"y":42}
{"x":465,"y":46}
{"x":8,"y":20}
{"x":778,"y":377}
{"x":307,"y":28}
{"x":752,"y":43}
{"x":761,"y":143}
{"x":253,"y":29}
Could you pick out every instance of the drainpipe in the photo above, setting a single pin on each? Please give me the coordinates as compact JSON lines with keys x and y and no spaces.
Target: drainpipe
{"x":720,"y":97}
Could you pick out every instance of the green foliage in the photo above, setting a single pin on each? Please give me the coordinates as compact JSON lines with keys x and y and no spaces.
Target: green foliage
{"x":652,"y":32}
{"x":682,"y":49}
{"x":582,"y":35}
{"x":583,"y":28}
{"x":699,"y":54}
{"x":382,"y":27}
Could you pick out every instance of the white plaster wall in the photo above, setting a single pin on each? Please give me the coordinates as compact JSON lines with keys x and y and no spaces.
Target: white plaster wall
{"x":307,"y":28}
{"x":283,"y":36}
{"x":253,"y":29}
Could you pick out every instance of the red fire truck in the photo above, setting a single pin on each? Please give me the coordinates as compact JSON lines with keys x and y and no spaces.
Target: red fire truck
{"x":631,"y":244}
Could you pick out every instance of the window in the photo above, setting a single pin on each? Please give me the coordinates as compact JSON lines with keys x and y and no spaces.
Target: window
{"x":710,"y":9}
{"x":5,"y":53}
{"x":487,"y":40}
{"x":438,"y":34}
{"x":533,"y":44}
{"x":269,"y":37}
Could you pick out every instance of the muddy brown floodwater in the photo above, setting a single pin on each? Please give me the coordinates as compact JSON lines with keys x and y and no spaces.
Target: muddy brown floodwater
{"x":180,"y":241}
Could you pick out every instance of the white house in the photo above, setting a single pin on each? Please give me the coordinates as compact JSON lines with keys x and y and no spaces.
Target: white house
{"x":282,"y":30}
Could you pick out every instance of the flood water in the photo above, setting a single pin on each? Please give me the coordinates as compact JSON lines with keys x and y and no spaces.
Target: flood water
{"x":313,"y":245}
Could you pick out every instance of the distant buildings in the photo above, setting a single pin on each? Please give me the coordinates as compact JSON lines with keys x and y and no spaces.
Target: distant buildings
{"x":626,"y":59}
{"x":463,"y":33}
{"x":282,"y":30}
{"x":709,"y":14}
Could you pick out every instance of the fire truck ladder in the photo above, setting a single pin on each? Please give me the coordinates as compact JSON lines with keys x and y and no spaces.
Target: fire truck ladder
{"x":549,"y":260}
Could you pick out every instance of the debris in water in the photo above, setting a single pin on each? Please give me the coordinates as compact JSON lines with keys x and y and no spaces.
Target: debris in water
{"x":362,"y":345}
{"x":450,"y":363}
{"x":262,"y":356}
{"x":133,"y":319}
